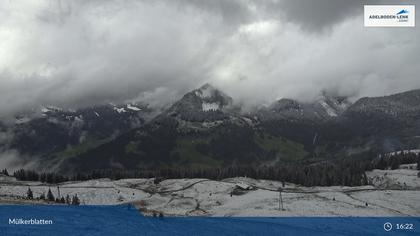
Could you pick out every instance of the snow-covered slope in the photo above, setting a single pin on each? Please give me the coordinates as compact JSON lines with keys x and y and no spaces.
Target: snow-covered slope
{"x":219,"y":198}
{"x":403,"y":178}
{"x":325,"y":107}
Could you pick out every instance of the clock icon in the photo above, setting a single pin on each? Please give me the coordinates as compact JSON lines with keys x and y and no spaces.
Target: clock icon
{"x":387,"y":226}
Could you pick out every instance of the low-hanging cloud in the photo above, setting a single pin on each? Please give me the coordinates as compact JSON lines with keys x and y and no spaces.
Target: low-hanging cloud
{"x":12,"y":161}
{"x":78,"y":53}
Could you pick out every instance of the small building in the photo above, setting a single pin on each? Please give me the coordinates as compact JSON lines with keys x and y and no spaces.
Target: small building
{"x":242,"y":188}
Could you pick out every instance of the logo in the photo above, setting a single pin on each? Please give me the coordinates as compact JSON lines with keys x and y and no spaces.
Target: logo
{"x":389,"y":15}
{"x":402,"y":12}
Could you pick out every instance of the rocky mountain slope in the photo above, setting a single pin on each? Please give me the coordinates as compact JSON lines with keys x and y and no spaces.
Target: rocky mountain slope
{"x":206,"y":129}
{"x":325,"y":107}
{"x":54,"y":133}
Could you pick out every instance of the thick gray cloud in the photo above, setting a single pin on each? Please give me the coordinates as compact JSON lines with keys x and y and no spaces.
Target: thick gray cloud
{"x":315,"y":15}
{"x":76,"y":53}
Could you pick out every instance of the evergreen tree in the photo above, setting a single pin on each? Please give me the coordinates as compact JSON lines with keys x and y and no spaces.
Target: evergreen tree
{"x":365,"y":179}
{"x":75,"y":200}
{"x":5,"y":172}
{"x":50,"y":196}
{"x":68,"y":201}
{"x":395,"y":163}
{"x":381,"y":164}
{"x":29,"y":194}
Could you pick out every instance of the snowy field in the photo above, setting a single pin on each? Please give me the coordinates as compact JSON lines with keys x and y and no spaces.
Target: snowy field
{"x":391,"y":193}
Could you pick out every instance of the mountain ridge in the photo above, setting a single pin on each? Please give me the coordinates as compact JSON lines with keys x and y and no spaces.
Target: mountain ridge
{"x":205,"y":128}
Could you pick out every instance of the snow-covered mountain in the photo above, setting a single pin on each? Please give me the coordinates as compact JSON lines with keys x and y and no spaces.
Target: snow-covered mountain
{"x":50,"y":129}
{"x":204,"y":108}
{"x":401,"y":105}
{"x":203,"y":104}
{"x":323,"y":108}
{"x":205,"y":128}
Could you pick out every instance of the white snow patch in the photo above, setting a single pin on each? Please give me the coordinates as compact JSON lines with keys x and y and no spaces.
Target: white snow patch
{"x":120,"y":110}
{"x":97,"y":114}
{"x":78,"y":119}
{"x":45,"y":110}
{"x":131,"y":107}
{"x":210,"y":106}
{"x":330,"y":111}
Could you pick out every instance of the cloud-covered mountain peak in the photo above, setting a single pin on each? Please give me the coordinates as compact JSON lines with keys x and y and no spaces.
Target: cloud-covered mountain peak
{"x":324,"y":107}
{"x":201,"y":104}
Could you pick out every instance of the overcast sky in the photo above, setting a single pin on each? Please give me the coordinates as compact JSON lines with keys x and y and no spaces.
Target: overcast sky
{"x":76,"y":53}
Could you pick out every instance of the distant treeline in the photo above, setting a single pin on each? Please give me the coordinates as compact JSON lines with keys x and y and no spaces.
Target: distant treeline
{"x":346,"y":172}
{"x":393,"y":161}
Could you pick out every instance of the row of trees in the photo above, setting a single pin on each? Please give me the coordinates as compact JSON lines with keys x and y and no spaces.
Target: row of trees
{"x":394,"y":161}
{"x":335,"y":172}
{"x":74,"y":200}
{"x":30,"y":175}
{"x":4,"y":172}
{"x":325,"y":174}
